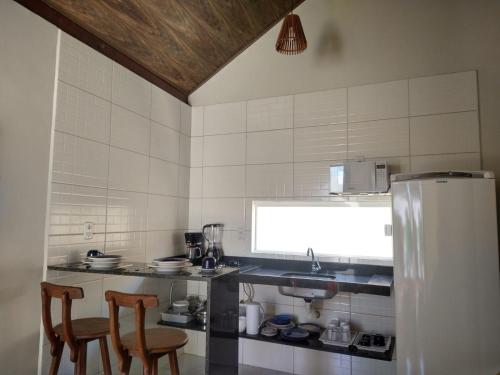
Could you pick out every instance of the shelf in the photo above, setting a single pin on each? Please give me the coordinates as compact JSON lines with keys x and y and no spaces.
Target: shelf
{"x":192,"y":325}
{"x":315,"y":344}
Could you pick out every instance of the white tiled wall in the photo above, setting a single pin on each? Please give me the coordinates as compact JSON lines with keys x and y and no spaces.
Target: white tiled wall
{"x":144,"y":167}
{"x":120,"y":164}
{"x":281,"y":148}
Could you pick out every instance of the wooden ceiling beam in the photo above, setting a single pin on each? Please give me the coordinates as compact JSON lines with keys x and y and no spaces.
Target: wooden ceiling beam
{"x":65,"y":24}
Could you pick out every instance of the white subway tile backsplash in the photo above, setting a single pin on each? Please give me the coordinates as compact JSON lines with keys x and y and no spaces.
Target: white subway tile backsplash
{"x":446,"y":162}
{"x":312,"y":179}
{"x":163,"y":243}
{"x":165,"y":109}
{"x":378,"y":101}
{"x":373,"y":323}
{"x":165,"y":143}
{"x":372,"y":304}
{"x":444,"y":93}
{"x":185,"y":150}
{"x":447,"y":133}
{"x":236,"y":243}
{"x":270,"y":113}
{"x":224,"y":150}
{"x":194,"y":217}
{"x":72,"y":248}
{"x":130,"y":245}
{"x":269,"y":180}
{"x":131,"y":91}
{"x":128,"y":170}
{"x":225,"y":118}
{"x":228,"y":211}
{"x":85,"y":68}
{"x":197,"y":114}
{"x":195,"y":182}
{"x":382,"y":138}
{"x":303,"y":315}
{"x":182,"y":213}
{"x":71,"y":206}
{"x":269,"y":294}
{"x":223,"y":182}
{"x":183,"y":184}
{"x":270,"y":147}
{"x":162,"y":212}
{"x":79,"y":161}
{"x":129,"y":130}
{"x":196,"y":151}
{"x":163,"y":177}
{"x":82,"y":114}
{"x":307,"y":362}
{"x":320,"y":143}
{"x":320,"y":108}
{"x":126,"y":211}
{"x":186,"y":119}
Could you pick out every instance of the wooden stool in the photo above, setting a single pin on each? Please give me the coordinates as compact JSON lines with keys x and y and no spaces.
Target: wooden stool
{"x":147,"y":344}
{"x":76,"y":333}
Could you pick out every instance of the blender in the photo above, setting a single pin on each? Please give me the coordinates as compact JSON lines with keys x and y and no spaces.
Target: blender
{"x":213,"y":235}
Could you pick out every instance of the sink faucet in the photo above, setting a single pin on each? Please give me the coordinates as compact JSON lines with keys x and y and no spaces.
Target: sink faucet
{"x":316,"y":267}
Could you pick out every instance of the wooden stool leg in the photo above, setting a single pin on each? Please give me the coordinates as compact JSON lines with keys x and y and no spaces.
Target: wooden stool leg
{"x":174,"y":365}
{"x":81,"y":363}
{"x":56,"y":359}
{"x":155,"y":365}
{"x":126,"y":366}
{"x":106,"y":365}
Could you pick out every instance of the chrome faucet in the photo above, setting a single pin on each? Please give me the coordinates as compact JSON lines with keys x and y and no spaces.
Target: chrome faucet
{"x":316,"y":267}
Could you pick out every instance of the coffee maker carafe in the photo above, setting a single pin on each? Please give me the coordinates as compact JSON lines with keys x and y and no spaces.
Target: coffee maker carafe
{"x":213,"y":235}
{"x":194,"y":246}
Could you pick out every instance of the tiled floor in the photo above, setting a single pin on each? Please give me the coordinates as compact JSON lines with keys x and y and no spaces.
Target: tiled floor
{"x":195,"y":365}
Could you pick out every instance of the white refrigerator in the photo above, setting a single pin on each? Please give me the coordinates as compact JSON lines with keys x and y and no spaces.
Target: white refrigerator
{"x":446,"y":273}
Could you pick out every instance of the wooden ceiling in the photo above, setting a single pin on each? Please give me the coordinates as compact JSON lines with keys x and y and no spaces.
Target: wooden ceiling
{"x":175,"y":44}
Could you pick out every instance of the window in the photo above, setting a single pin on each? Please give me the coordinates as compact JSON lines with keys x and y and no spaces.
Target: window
{"x":358,"y":227}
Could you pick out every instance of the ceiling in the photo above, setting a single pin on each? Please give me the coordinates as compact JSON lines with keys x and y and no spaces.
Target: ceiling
{"x":175,"y":44}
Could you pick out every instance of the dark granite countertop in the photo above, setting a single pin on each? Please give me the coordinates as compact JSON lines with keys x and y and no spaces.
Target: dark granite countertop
{"x":346,"y":277}
{"x":142,"y":269}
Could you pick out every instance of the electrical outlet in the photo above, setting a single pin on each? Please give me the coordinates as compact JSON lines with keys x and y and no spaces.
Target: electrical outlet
{"x":88,"y":231}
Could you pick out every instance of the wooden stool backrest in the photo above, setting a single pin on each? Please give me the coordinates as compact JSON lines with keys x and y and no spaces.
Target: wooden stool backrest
{"x":66,"y":294}
{"x":138,"y":302}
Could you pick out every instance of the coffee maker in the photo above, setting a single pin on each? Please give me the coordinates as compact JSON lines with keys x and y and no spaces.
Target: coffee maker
{"x":213,"y":235}
{"x":194,"y":246}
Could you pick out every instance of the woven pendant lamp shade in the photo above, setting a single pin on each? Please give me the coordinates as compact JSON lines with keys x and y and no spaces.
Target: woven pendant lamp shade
{"x":291,"y":39}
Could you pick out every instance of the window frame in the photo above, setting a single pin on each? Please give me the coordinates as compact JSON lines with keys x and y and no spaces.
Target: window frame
{"x":346,"y":201}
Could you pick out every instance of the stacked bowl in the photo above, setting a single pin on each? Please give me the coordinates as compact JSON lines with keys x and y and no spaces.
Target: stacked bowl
{"x":103,"y":262}
{"x":170,"y":265}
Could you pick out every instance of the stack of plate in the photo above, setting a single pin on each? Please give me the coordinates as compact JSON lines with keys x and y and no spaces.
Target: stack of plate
{"x":280,"y":322}
{"x":103,"y":262}
{"x":170,"y":265}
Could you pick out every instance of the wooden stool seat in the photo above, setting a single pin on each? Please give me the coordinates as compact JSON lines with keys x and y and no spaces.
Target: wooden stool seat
{"x":75,"y":333}
{"x":147,"y":344}
{"x":158,"y":340}
{"x":86,"y":328}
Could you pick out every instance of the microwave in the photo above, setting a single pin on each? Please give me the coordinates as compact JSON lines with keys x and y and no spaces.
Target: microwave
{"x":359,"y":177}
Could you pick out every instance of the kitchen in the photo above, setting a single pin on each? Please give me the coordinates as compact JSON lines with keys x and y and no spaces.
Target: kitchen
{"x":114,"y":162}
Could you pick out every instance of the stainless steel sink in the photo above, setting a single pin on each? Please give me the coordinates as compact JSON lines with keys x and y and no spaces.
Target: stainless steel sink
{"x":308,"y":275}
{"x":326,"y":291}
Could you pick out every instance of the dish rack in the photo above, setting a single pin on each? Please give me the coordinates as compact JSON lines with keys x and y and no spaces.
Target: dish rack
{"x":345,"y":344}
{"x":372,"y":348}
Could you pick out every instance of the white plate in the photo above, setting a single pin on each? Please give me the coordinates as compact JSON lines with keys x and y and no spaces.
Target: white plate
{"x":170,"y":266}
{"x":105,"y":267}
{"x":103,"y":260}
{"x":170,"y":271}
{"x":172,"y":261}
